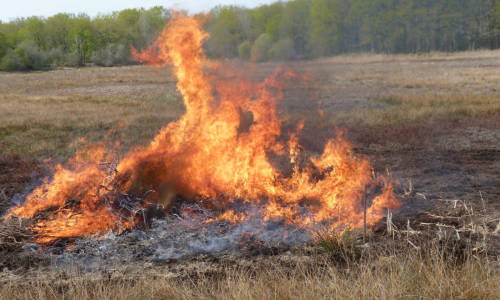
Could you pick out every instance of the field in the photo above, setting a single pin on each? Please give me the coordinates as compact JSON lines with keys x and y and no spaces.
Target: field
{"x":431,"y":122}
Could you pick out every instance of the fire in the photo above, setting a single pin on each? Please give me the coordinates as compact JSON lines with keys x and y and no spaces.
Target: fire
{"x":209,"y":153}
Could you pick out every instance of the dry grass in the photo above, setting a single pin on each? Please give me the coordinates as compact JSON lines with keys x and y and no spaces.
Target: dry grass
{"x":432,"y":273}
{"x":428,"y":107}
{"x":387,"y":90}
{"x":409,"y":277}
{"x":436,"y":55}
{"x":421,"y":260}
{"x":45,"y":113}
{"x":381,"y":99}
{"x":34,"y":82}
{"x":468,"y":72}
{"x":52,"y":125}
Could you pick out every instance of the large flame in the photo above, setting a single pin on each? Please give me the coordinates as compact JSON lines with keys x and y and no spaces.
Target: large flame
{"x":219,"y":149}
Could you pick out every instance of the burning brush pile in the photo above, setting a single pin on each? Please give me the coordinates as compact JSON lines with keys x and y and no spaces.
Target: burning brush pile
{"x":220,"y":175}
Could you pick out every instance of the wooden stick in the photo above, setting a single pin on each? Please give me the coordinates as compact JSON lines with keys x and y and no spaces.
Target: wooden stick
{"x":364,"y":214}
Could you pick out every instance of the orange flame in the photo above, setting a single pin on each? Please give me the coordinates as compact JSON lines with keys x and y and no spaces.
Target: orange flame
{"x":209,"y":153}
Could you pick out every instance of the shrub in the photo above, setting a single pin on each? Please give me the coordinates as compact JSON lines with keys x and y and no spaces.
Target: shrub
{"x":27,"y":56}
{"x":261,"y":48}
{"x":345,"y":246}
{"x":32,"y":57}
{"x":103,"y":57}
{"x":111,"y":55}
{"x":282,"y":50}
{"x":12,"y":62}
{"x":244,"y":50}
{"x":55,"y":57}
{"x":71,"y":59}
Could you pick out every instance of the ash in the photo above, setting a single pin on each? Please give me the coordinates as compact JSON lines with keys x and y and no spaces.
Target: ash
{"x":173,"y":238}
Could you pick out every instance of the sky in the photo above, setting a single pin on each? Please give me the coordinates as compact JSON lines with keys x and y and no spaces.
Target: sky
{"x":11,"y":9}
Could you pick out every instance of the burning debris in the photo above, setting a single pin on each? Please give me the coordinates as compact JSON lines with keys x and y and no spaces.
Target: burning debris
{"x":211,"y":159}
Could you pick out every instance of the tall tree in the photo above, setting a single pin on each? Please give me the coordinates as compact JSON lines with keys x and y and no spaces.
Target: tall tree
{"x":266,"y":19}
{"x":295,"y":24}
{"x":327,"y":26}
{"x":226,"y":31}
{"x":58,"y":28}
{"x":3,"y":44}
{"x":83,"y":38}
{"x":35,"y":28}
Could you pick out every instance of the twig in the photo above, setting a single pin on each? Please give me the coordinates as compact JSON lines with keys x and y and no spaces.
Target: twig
{"x":364,"y":214}
{"x":390,"y":226}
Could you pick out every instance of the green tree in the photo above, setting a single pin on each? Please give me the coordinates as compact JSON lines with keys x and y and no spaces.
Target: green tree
{"x":327,"y":26}
{"x":3,"y":44}
{"x":14,"y":32}
{"x":35,"y":28}
{"x":282,"y":50}
{"x":57,"y":30}
{"x":106,"y":30}
{"x":150,"y":23}
{"x":496,"y":14}
{"x":226,"y":32}
{"x":127,"y":24}
{"x":282,"y":30}
{"x":11,"y":61}
{"x":266,"y":19}
{"x":32,"y":57}
{"x":83,"y":39}
{"x":296,"y":25}
{"x":494,"y":24}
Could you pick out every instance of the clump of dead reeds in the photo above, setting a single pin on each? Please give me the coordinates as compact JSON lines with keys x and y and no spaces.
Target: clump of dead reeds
{"x":14,"y":235}
{"x":455,"y":230}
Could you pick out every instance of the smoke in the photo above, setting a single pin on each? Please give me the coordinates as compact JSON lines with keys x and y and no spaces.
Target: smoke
{"x":175,"y":237}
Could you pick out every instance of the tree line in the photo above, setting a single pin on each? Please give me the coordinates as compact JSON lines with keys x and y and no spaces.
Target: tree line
{"x":297,"y":29}
{"x":76,"y":40}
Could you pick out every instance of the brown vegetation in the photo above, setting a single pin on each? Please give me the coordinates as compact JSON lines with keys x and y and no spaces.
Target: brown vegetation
{"x":449,"y":254}
{"x":431,"y":121}
{"x":408,"y":277}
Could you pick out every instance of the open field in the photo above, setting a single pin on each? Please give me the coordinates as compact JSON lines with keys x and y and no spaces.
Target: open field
{"x":431,"y":121}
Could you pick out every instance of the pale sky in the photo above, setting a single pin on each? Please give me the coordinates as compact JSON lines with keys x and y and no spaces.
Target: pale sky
{"x":11,"y":9}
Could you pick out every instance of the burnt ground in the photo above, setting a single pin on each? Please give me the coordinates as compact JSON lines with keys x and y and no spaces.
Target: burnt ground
{"x":458,"y":160}
{"x":16,"y":174}
{"x":437,"y":162}
{"x":434,"y":167}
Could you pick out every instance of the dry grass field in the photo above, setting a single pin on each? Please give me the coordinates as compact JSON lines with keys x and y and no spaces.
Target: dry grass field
{"x":431,"y":121}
